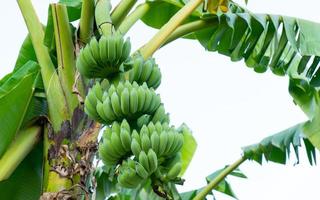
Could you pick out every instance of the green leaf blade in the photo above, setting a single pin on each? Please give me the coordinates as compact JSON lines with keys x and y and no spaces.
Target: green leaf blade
{"x":18,"y":88}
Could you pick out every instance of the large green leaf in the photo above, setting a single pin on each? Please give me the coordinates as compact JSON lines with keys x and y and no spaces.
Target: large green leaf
{"x":26,"y":53}
{"x":25,"y":183}
{"x":168,"y":8}
{"x":223,"y":187}
{"x":15,"y":95}
{"x":73,"y":8}
{"x":188,"y":149}
{"x":276,"y":148}
{"x":266,"y":41}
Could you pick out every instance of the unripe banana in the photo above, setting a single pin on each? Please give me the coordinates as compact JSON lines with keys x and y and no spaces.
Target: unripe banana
{"x":148,"y":101}
{"x":155,"y":77}
{"x":125,"y":125}
{"x":134,"y":104}
{"x":125,"y":139}
{"x":112,"y":56}
{"x":91,"y":111}
{"x":116,"y":143}
{"x":170,"y":142}
{"x":108,"y":111}
{"x":155,"y":142}
{"x":158,"y":127}
{"x":143,"y":160}
{"x":126,"y":48}
{"x":145,"y":143}
{"x":160,"y":115}
{"x":152,"y":127}
{"x":135,"y":147}
{"x":116,"y":107}
{"x":141,"y":98}
{"x":94,"y":45}
{"x":120,"y":88}
{"x":116,"y":127}
{"x":141,"y":171}
{"x":106,"y":156}
{"x":174,"y":171}
{"x":101,"y":114}
{"x":144,"y":119}
{"x":178,"y":143}
{"x":135,"y":72}
{"x":107,"y":133}
{"x":112,"y":90}
{"x":136,"y":136}
{"x":155,"y":103}
{"x":146,"y":71}
{"x":144,"y":131}
{"x":163,"y":142}
{"x":125,"y":102}
{"x":153,"y":161}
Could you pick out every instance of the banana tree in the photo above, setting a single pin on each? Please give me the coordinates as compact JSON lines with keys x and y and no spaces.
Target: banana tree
{"x":80,"y":115}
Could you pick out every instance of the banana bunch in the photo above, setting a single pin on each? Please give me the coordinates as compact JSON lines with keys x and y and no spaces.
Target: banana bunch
{"x":124,"y":101}
{"x":144,"y":71}
{"x":116,"y":143}
{"x":103,"y":58}
{"x":165,"y":141}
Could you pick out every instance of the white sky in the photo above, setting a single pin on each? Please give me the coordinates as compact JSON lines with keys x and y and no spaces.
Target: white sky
{"x":226,"y":104}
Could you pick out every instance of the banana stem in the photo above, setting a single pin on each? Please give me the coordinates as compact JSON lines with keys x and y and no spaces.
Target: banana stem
{"x":103,"y":18}
{"x":215,"y":182}
{"x":137,"y":14}
{"x":18,"y":150}
{"x":121,"y":11}
{"x":189,"y":28}
{"x":58,"y":110}
{"x":161,"y":37}
{"x":65,"y":53}
{"x":86,"y":21}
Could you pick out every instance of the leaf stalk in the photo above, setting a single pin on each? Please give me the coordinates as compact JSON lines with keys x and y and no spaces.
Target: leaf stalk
{"x":121,"y":11}
{"x":86,"y":21}
{"x":161,"y":37}
{"x":215,"y":182}
{"x":130,"y":20}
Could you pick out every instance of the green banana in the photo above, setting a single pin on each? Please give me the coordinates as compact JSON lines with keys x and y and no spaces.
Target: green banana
{"x":154,"y":77}
{"x":147,"y":70}
{"x":170,"y":142}
{"x":117,"y":145}
{"x":108,"y":156}
{"x":115,"y":102}
{"x":125,"y":139}
{"x":125,"y":125}
{"x":174,"y":171}
{"x":141,"y":98}
{"x":125,"y":102}
{"x":141,"y":171}
{"x":135,"y":147}
{"x":153,"y":161}
{"x":155,"y":142}
{"x":108,"y":111}
{"x":163,"y":142}
{"x":134,"y":104}
{"x":116,"y":127}
{"x":145,"y":143}
{"x":143,"y":160}
{"x":151,"y":127}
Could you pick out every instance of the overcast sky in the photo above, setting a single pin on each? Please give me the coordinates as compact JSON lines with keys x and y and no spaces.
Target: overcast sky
{"x":226,"y":104}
